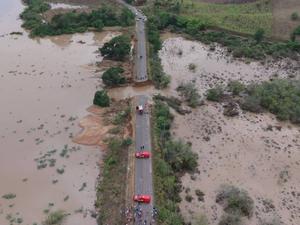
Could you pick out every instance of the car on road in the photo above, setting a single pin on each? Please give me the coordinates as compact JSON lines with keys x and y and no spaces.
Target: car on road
{"x":142,"y":155}
{"x":142,"y":198}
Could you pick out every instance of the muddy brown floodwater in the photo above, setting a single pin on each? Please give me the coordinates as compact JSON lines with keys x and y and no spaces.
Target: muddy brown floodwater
{"x":251,"y":151}
{"x":46,"y":85}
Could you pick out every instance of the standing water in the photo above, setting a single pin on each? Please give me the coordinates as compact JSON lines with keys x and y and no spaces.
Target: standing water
{"x":45,"y":87}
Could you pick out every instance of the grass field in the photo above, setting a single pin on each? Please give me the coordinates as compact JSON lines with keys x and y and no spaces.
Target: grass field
{"x":244,"y":18}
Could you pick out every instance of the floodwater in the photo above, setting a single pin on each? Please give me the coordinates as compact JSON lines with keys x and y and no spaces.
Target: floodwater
{"x":46,"y":85}
{"x":255,"y":152}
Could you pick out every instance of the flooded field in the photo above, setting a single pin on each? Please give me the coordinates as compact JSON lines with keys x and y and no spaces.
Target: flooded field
{"x":255,"y":152}
{"x":46,"y":85}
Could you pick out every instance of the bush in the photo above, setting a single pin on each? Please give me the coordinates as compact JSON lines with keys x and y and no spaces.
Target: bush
{"x":180,"y":156}
{"x":235,"y":201}
{"x":251,"y":104}
{"x":236,"y":87}
{"x":71,"y":22}
{"x":113,"y":76}
{"x":259,"y":35}
{"x":117,"y":48}
{"x":281,"y":97}
{"x":215,"y":94}
{"x":101,"y":99}
{"x":230,"y":219}
{"x":192,"y":67}
{"x":55,"y":218}
{"x":294,"y":16}
{"x":190,"y":93}
{"x":159,"y":77}
{"x":188,"y":198}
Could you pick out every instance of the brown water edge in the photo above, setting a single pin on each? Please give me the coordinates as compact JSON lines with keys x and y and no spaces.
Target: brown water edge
{"x":241,"y":150}
{"x":46,"y":85}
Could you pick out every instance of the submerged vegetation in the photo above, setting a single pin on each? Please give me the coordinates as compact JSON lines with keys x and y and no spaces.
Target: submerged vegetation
{"x":281,"y":97}
{"x":71,"y":22}
{"x":171,"y":159}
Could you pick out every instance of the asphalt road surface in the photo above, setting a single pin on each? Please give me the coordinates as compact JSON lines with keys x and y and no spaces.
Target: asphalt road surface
{"x":141,"y":52}
{"x":143,"y":167}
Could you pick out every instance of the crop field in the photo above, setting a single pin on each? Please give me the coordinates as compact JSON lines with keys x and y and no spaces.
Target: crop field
{"x":245,"y":18}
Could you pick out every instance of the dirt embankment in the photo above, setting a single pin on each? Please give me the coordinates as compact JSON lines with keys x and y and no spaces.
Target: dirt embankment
{"x":283,"y":25}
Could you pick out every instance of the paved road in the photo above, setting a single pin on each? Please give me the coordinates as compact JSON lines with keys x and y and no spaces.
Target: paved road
{"x":141,"y":52}
{"x":143,"y":167}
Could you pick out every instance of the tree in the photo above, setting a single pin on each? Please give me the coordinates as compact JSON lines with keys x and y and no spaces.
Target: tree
{"x":101,"y":99}
{"x":113,"y":76}
{"x":126,"y":17}
{"x":259,"y":35}
{"x":294,"y":16}
{"x":98,"y":24}
{"x":117,"y":48}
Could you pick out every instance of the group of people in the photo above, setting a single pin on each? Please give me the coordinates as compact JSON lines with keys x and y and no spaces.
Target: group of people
{"x":134,"y":214}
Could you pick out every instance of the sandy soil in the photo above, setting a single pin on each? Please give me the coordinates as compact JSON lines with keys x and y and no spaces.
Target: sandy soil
{"x":251,"y":151}
{"x":46,"y":85}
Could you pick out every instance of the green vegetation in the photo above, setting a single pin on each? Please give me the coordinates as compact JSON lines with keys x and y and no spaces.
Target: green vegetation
{"x":295,"y":33}
{"x":294,"y":16}
{"x":117,"y":48}
{"x":236,"y":87}
{"x":190,"y":93}
{"x":110,"y":194}
{"x":245,"y":18}
{"x":215,"y":94}
{"x":113,"y":76}
{"x":158,"y":76}
{"x":259,"y":35}
{"x":122,"y":116}
{"x":55,"y":218}
{"x":254,"y":48}
{"x":71,"y":22}
{"x":236,"y":203}
{"x":171,"y":159}
{"x":101,"y":99}
{"x":281,"y":97}
{"x":230,"y":219}
{"x":9,"y":196}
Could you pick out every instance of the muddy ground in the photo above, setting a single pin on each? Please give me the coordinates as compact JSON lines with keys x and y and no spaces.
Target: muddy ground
{"x":251,"y":151}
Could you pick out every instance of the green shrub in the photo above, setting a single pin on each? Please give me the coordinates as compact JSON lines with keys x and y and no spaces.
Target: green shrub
{"x":180,"y":156}
{"x":9,"y":196}
{"x":259,"y":35}
{"x":251,"y":103}
{"x":190,"y":93}
{"x":188,"y":198}
{"x":113,"y":76}
{"x":294,"y":16}
{"x":215,"y":94}
{"x":235,"y":201}
{"x":117,"y":48}
{"x":230,"y":219}
{"x":55,"y":218}
{"x":159,"y":77}
{"x":236,"y":87}
{"x":71,"y":22}
{"x":101,"y":99}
